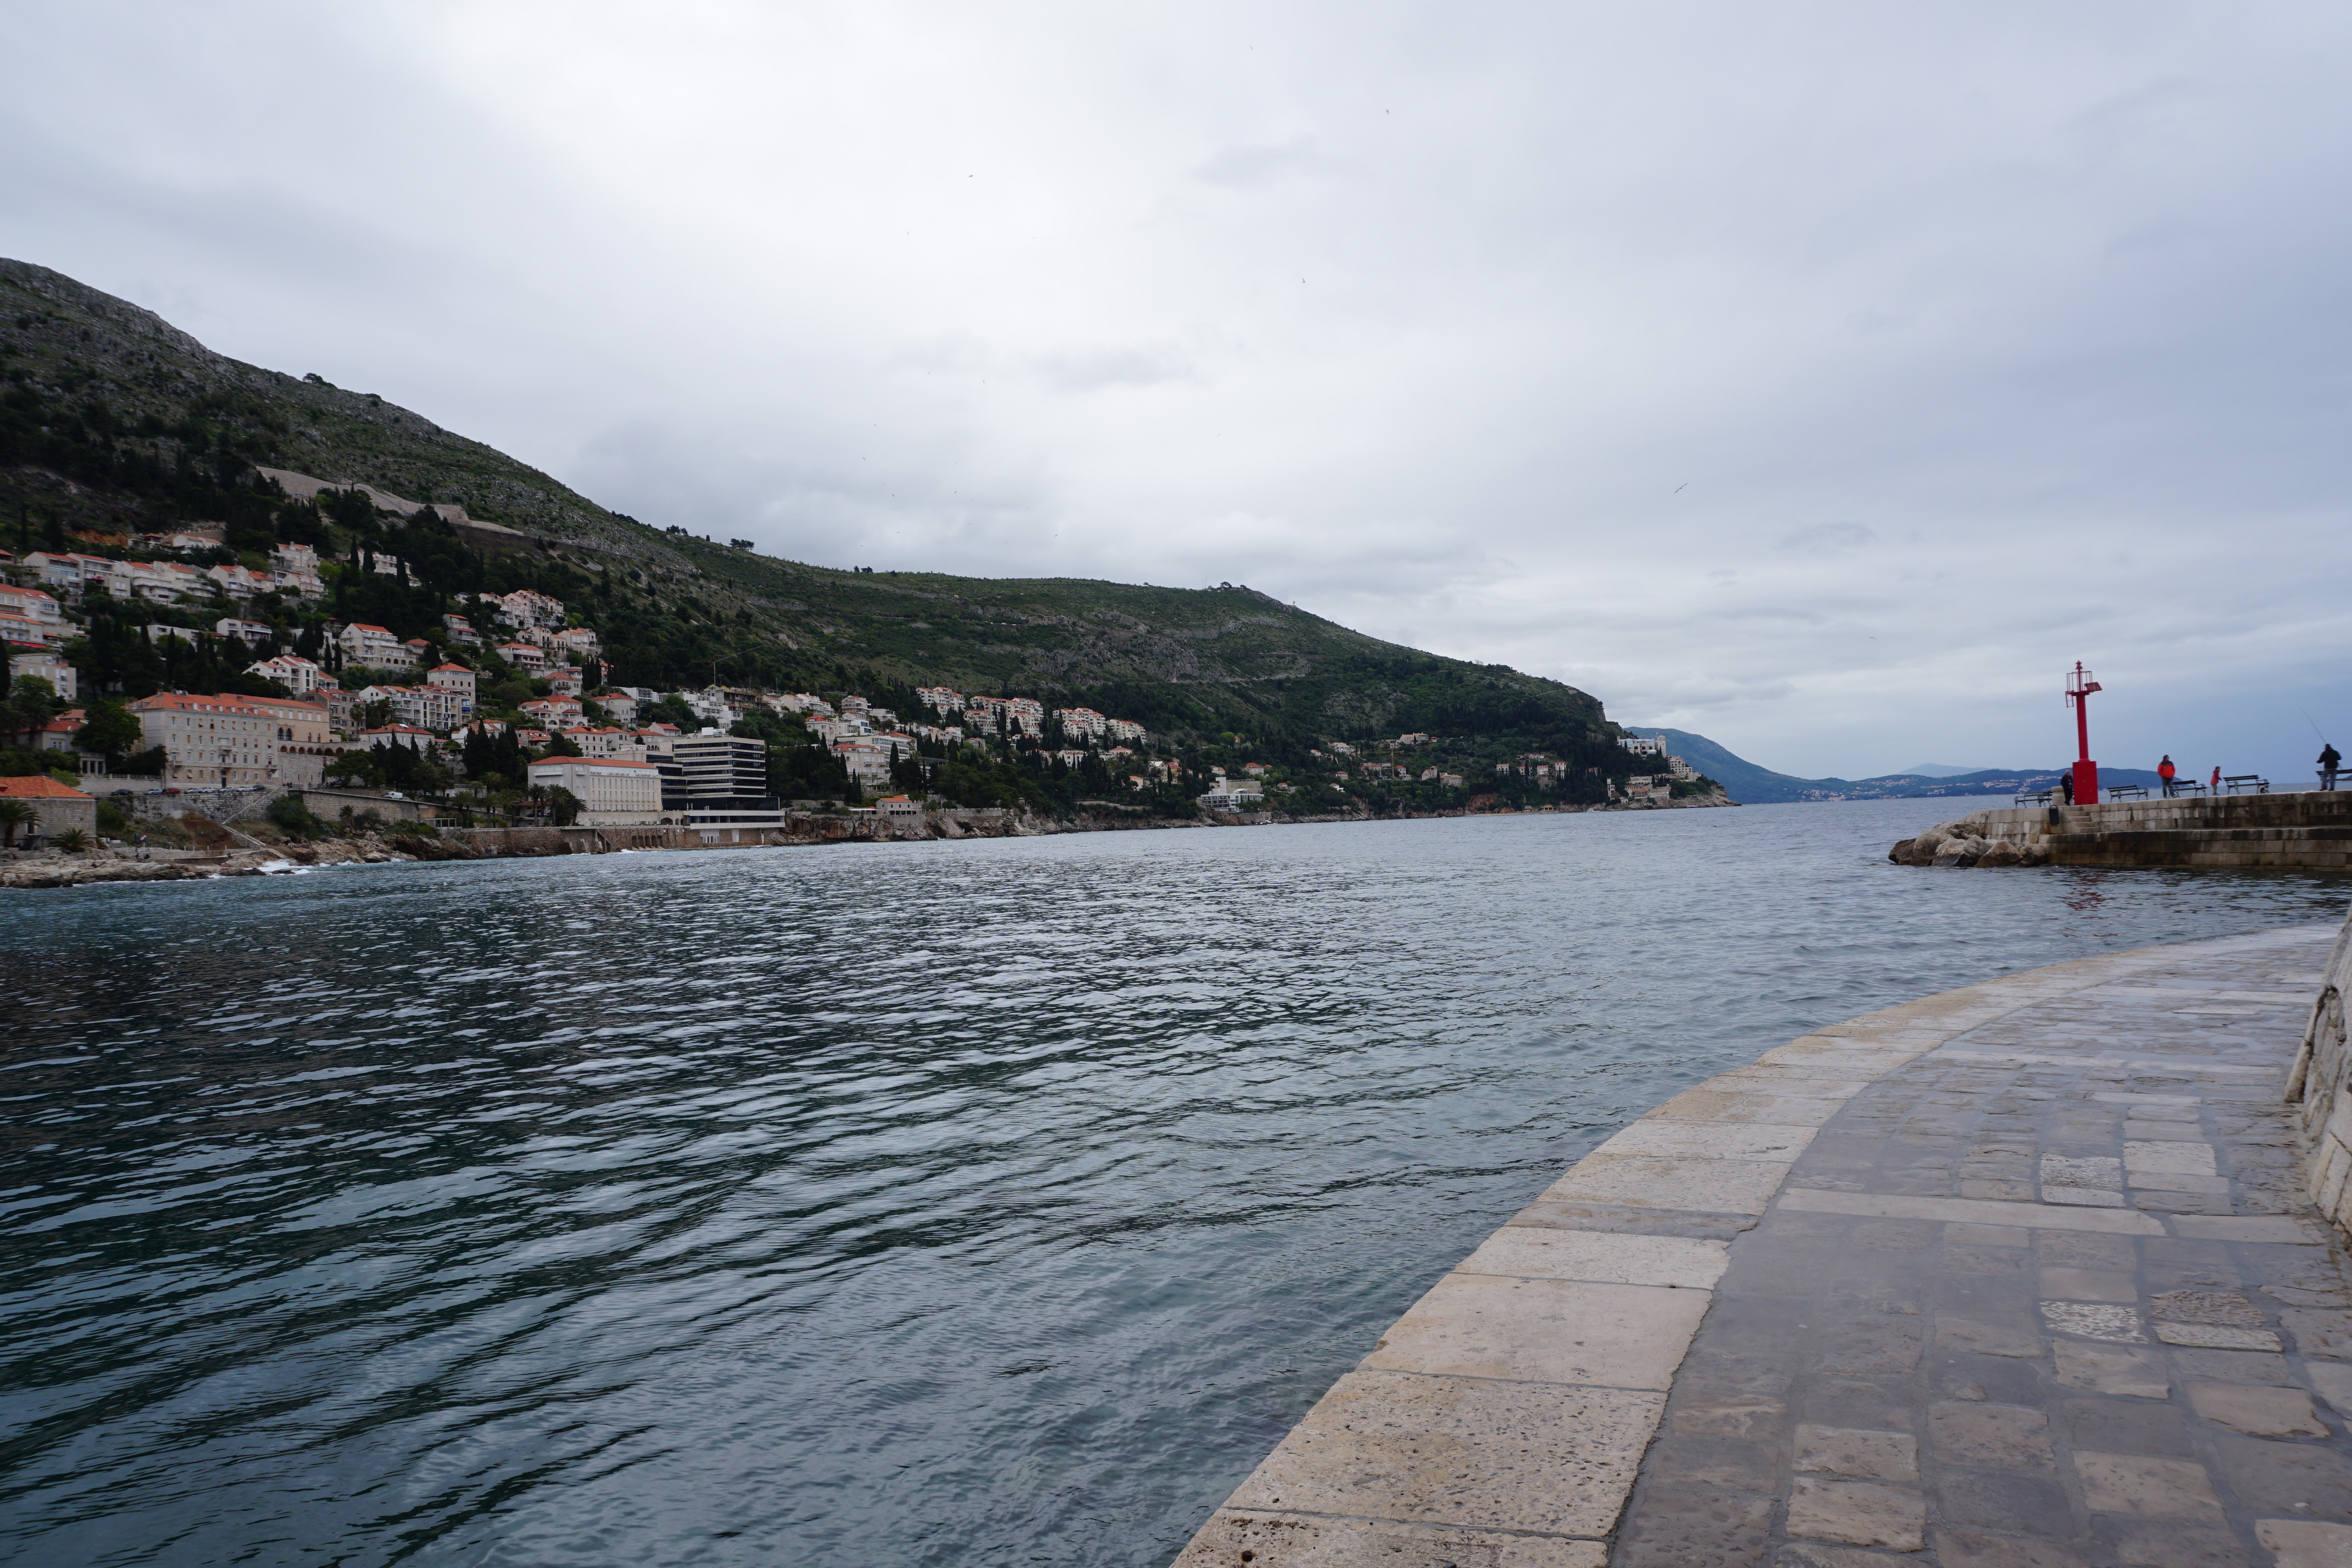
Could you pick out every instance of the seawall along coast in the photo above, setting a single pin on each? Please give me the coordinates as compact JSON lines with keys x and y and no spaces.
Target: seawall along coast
{"x":2025,"y":1272}
{"x":2309,"y":830}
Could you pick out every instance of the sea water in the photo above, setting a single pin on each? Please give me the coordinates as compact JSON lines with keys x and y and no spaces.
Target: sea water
{"x":984,"y":1202}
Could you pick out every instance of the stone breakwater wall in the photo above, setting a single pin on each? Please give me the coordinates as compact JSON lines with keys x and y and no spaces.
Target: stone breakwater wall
{"x":1504,"y":1419}
{"x":2319,"y":1087}
{"x":2305,"y":831}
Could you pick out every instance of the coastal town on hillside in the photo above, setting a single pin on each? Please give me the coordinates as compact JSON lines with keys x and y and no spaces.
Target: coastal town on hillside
{"x":507,"y":716}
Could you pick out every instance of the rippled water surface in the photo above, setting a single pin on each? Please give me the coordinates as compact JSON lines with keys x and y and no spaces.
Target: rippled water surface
{"x":991,"y":1202}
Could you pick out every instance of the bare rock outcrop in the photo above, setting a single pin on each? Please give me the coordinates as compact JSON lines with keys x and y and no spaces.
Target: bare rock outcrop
{"x":1955,"y":845}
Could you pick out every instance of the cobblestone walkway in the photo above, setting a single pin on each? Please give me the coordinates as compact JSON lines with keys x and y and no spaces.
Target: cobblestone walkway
{"x":2043,"y":1297}
{"x":2015,"y":1276}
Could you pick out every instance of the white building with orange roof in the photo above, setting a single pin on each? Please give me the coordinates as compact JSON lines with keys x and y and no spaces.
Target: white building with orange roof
{"x":372,"y":647}
{"x":58,"y":809}
{"x":605,"y":741}
{"x":551,"y":712}
{"x":306,"y":738}
{"x":527,"y":607}
{"x":612,"y":791}
{"x":32,"y":633}
{"x":240,"y":582}
{"x":293,"y":560}
{"x":59,"y":733}
{"x":220,"y":742}
{"x":407,"y":735}
{"x":32,"y":604}
{"x":867,"y":763}
{"x":454,"y":678}
{"x":292,"y":671}
{"x":46,"y":664}
{"x":427,"y":707}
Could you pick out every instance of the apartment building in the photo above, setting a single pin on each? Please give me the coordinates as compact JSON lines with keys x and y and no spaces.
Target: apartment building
{"x":47,"y":666}
{"x":305,"y":736}
{"x":430,"y":707}
{"x":455,"y":679}
{"x":612,"y":791}
{"x":219,"y":742}
{"x":372,"y":647}
{"x":252,"y":634}
{"x":295,"y":673}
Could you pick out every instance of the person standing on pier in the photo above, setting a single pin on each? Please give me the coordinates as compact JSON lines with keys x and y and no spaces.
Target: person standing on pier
{"x":2165,"y":770}
{"x":2215,"y":787}
{"x":2329,"y":761}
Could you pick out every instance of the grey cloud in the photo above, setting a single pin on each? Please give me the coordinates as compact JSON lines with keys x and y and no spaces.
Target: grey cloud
{"x":1099,"y":370}
{"x":1239,"y":168}
{"x":1827,"y":539}
{"x":2046,"y":288}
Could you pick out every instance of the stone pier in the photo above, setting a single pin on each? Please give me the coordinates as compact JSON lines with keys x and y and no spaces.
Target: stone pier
{"x":2025,"y":1275}
{"x":2309,"y":830}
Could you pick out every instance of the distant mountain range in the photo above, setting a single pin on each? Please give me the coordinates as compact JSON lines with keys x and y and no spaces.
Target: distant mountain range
{"x":1754,"y":786}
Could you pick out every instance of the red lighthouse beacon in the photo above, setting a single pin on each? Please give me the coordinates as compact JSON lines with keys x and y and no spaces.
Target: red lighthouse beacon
{"x":2079,"y":688}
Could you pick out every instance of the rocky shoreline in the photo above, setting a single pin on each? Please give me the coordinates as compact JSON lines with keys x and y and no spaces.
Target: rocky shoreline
{"x":114,"y":863}
{"x":1953,"y":844}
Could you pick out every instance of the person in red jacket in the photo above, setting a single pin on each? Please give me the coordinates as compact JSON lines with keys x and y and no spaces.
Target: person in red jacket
{"x":2216,"y":786}
{"x":2166,"y":770}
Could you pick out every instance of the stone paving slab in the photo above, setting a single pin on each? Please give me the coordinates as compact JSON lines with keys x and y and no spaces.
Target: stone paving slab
{"x":2015,"y":1276}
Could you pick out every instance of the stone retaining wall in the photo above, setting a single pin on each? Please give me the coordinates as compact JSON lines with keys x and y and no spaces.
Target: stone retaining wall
{"x":2320,"y":1085}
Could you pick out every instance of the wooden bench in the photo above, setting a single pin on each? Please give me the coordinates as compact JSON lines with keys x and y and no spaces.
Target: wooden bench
{"x":2037,"y":798}
{"x":2245,"y":784}
{"x":2126,"y":792}
{"x":2187,"y":787}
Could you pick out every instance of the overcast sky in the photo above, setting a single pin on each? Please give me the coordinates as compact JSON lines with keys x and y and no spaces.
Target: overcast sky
{"x":1824,"y":378}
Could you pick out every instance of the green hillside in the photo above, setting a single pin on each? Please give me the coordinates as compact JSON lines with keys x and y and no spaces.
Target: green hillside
{"x":114,"y":422}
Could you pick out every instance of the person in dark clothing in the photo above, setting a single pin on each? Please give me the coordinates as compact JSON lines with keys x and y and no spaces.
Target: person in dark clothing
{"x":2329,"y":761}
{"x":2066,"y":787}
{"x":2167,"y":771}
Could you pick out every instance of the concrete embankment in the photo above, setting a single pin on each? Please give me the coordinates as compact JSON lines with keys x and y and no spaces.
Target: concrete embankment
{"x":2305,"y":831}
{"x":2023,"y":1274}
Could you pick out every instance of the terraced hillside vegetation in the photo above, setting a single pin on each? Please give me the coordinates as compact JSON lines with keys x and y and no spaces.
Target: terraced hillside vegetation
{"x":114,"y":424}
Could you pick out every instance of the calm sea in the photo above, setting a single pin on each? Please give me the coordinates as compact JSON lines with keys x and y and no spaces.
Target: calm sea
{"x":993,"y":1202}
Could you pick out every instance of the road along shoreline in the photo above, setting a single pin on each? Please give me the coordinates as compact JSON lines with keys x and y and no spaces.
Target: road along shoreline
{"x":1792,"y":1312}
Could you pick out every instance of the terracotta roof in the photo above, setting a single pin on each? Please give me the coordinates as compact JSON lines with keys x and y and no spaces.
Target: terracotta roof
{"x":223,"y":703}
{"x":38,"y":787}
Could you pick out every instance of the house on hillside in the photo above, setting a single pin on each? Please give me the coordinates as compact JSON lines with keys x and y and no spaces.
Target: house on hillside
{"x":58,"y":809}
{"x":372,"y":647}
